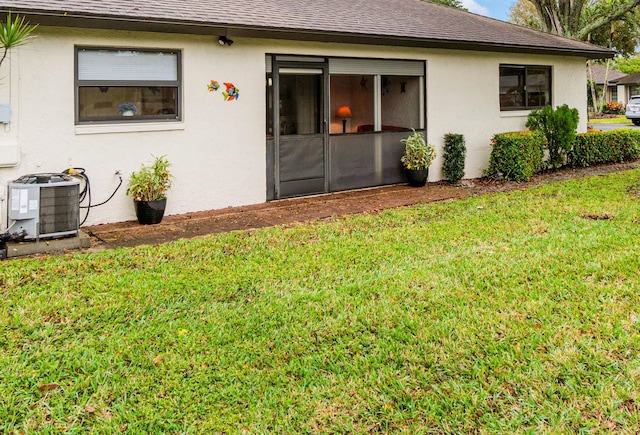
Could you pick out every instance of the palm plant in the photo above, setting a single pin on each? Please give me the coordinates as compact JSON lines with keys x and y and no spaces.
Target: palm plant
{"x":14,"y":33}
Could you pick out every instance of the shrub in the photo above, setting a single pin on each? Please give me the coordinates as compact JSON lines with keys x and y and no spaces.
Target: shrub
{"x":559,"y":127}
{"x":614,"y":146}
{"x":455,"y":152}
{"x":612,"y":107}
{"x":516,"y":155}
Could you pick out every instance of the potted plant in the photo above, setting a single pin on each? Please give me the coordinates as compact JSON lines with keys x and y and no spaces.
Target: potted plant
{"x":417,"y":157}
{"x":127,"y":109}
{"x":148,"y":187}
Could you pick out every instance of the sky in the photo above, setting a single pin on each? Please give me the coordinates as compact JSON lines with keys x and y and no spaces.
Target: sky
{"x":491,"y":8}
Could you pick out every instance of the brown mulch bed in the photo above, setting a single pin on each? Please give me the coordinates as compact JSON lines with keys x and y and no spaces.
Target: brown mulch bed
{"x":126,"y":234}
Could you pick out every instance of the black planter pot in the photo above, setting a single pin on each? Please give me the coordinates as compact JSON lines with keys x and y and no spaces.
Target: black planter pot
{"x":150,"y":212}
{"x":417,"y":177}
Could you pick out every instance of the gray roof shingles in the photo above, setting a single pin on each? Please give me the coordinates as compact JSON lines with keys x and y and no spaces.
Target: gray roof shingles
{"x":599,"y":73}
{"x":631,"y":79}
{"x":404,"y":22}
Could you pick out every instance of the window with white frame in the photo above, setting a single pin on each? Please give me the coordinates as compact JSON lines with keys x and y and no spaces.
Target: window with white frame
{"x":524,"y":87}
{"x":116,"y":85}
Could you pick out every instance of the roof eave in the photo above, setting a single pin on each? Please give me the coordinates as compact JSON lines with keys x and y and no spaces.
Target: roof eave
{"x":63,"y":19}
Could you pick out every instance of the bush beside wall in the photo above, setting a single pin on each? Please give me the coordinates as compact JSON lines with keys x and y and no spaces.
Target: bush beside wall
{"x":516,"y":155}
{"x":614,"y":146}
{"x":559,"y":127}
{"x":455,"y":151}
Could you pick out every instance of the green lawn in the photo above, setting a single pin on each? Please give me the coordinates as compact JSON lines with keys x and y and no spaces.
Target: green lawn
{"x":617,"y":120}
{"x":505,"y":313}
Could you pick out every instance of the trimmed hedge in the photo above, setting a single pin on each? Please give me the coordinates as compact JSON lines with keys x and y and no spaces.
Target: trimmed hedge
{"x":516,"y":155}
{"x":613,"y":146}
{"x":455,"y":151}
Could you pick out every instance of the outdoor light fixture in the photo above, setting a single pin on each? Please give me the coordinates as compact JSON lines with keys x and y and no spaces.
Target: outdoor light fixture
{"x":223,"y":40}
{"x":344,"y":112}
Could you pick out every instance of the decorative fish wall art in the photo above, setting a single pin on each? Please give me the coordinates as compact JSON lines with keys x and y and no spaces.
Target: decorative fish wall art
{"x":229,"y":94}
{"x":213,"y":86}
{"x":232,"y":93}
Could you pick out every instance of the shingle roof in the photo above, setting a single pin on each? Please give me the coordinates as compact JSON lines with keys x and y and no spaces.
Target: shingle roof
{"x":599,"y":72}
{"x":394,"y":22}
{"x":631,"y":79}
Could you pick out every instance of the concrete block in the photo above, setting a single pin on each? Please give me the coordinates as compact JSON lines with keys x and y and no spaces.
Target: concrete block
{"x":17,"y":249}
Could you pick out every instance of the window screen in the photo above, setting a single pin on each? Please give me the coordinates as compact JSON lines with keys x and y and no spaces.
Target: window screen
{"x":382,"y":95}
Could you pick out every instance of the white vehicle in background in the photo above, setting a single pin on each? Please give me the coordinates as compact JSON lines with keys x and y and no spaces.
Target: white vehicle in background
{"x":633,"y":109}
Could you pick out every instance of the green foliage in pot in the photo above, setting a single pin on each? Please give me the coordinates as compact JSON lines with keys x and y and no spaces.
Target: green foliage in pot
{"x":455,"y":151}
{"x":418,"y":154}
{"x":151,"y":182}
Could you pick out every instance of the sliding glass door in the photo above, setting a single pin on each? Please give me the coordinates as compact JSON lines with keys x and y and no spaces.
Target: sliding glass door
{"x":337,"y":123}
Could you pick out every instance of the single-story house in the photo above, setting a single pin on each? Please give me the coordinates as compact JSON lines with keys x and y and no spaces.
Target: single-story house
{"x":615,"y":92}
{"x":256,"y":100}
{"x":627,"y":86}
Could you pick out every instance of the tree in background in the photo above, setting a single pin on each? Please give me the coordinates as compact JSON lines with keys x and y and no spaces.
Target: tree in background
{"x":453,"y":3}
{"x":579,"y":19}
{"x":524,"y":13}
{"x":608,"y":23}
{"x":621,"y":33}
{"x":627,"y":65}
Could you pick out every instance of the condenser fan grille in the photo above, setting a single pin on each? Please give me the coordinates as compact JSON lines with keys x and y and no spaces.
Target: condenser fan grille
{"x":44,"y":205}
{"x":58,"y":209}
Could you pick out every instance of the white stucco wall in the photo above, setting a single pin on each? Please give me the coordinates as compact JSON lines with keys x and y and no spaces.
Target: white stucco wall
{"x":218,"y":151}
{"x":463,"y":98}
{"x":623,"y":96}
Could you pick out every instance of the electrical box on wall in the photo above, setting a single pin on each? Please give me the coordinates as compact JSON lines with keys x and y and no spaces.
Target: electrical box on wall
{"x":5,"y":113}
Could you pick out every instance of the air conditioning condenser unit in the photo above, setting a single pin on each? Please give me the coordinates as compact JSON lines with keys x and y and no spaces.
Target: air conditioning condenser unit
{"x":44,"y":206}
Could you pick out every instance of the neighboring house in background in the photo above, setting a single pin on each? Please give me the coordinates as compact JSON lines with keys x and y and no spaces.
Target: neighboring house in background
{"x":627,"y":86}
{"x":243,"y":96}
{"x":615,"y":91}
{"x":620,"y":86}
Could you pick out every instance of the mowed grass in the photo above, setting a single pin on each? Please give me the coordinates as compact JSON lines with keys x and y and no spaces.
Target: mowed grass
{"x":505,"y":313}
{"x":617,"y":120}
